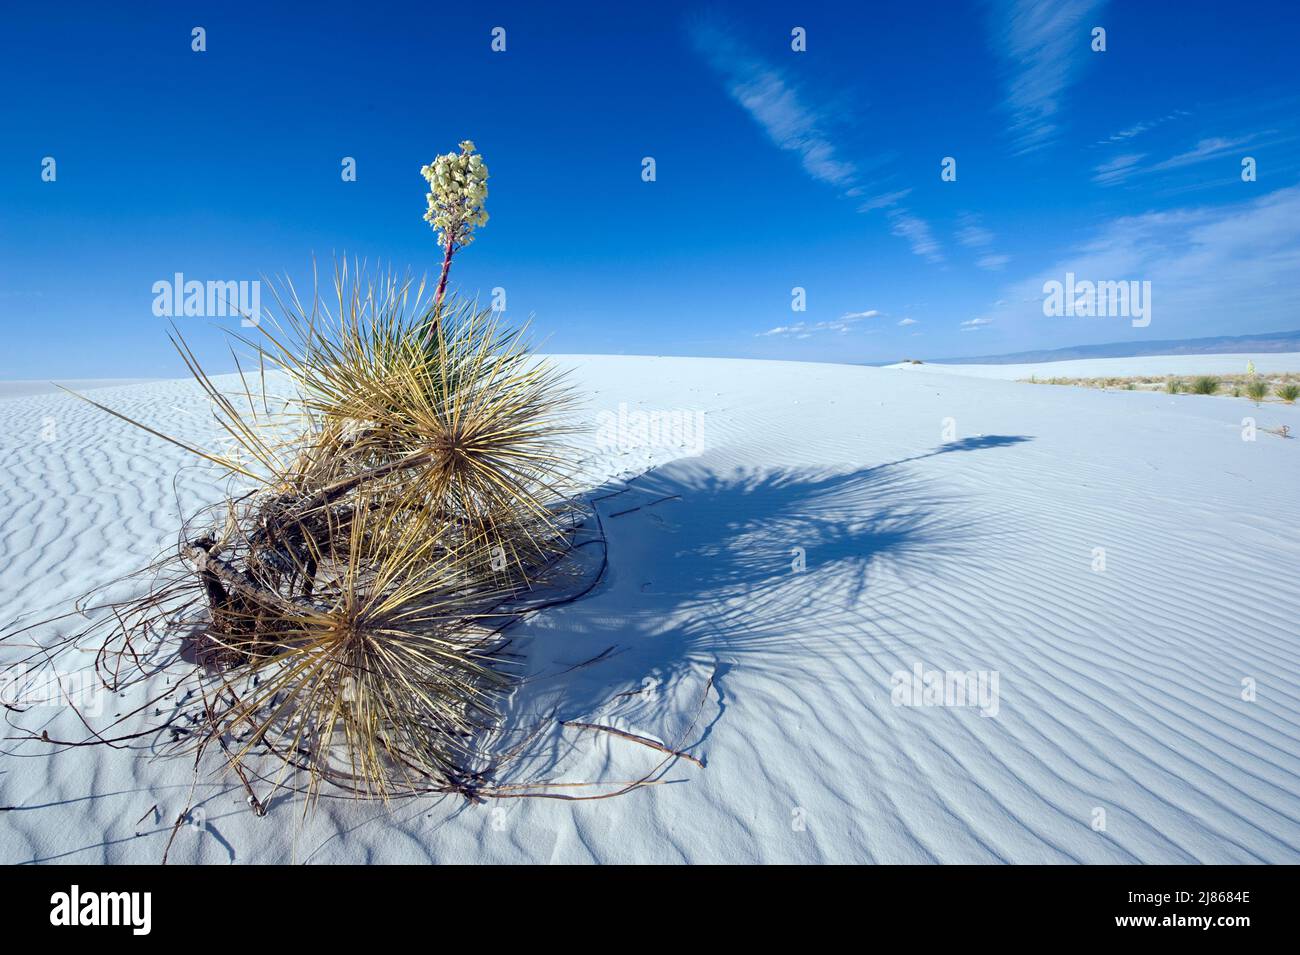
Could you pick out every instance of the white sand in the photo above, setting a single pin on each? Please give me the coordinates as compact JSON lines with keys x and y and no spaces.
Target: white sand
{"x":1265,"y":364}
{"x":19,"y":389}
{"x":1118,"y":691}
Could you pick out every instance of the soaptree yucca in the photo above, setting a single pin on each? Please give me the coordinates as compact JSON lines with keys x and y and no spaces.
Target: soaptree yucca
{"x":403,"y":485}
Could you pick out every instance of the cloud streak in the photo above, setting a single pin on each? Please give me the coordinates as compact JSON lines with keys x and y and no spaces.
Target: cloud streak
{"x":783,"y":113}
{"x":1116,"y":170}
{"x":843,"y":325}
{"x":1042,"y":45}
{"x":917,"y":232}
{"x":1206,"y":265}
{"x":796,"y":123}
{"x":974,"y":236}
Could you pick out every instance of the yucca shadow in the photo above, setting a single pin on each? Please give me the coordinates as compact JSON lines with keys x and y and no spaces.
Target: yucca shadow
{"x":710,"y":569}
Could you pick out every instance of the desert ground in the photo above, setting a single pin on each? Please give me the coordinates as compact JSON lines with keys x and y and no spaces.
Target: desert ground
{"x":792,"y":549}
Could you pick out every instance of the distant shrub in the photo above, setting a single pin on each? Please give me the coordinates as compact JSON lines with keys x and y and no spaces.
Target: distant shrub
{"x":1205,"y":385}
{"x":1130,"y":387}
{"x":1288,"y":393}
{"x":1173,"y":386}
{"x":1257,"y":390}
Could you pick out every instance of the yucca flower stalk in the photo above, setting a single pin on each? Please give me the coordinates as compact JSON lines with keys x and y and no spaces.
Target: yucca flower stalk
{"x":457,"y":194}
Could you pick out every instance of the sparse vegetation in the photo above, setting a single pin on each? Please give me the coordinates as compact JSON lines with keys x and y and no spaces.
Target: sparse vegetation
{"x":1236,"y":386}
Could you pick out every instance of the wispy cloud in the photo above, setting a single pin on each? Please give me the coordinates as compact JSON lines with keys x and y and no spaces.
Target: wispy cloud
{"x":975,"y":324}
{"x":842,"y":325}
{"x":1042,"y":44}
{"x":1206,"y":264}
{"x":884,"y":200}
{"x":795,"y":121}
{"x":1114,"y":171}
{"x":1124,"y":167}
{"x":917,"y":232}
{"x":1137,"y":129}
{"x":1205,"y":149}
{"x":973,"y":235}
{"x":784,"y":113}
{"x":798,"y":329}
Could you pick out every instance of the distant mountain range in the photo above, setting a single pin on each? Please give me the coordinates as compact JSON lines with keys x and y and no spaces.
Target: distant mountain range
{"x":1220,"y":345}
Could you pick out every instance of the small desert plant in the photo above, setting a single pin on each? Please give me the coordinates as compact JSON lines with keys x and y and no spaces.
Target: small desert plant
{"x":1257,"y":390}
{"x":1205,"y":385}
{"x":1173,"y":386}
{"x":1288,"y":393}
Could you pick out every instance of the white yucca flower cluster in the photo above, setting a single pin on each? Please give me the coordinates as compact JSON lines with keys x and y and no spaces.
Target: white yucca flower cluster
{"x":458,"y":191}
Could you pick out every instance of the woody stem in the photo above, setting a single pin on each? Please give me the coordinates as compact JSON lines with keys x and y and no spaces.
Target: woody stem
{"x":442,"y":287}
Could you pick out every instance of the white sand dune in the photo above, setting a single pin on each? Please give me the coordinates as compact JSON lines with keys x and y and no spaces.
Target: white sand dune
{"x":18,"y":389}
{"x":947,"y":522}
{"x":1266,"y":364}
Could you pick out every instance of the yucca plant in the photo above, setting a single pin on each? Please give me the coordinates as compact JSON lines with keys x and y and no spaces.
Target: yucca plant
{"x":1173,"y":386}
{"x":1205,"y":385}
{"x":1288,"y":393}
{"x":404,"y":493}
{"x":1257,"y":390}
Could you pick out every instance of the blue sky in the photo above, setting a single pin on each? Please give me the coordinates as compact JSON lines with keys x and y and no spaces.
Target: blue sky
{"x":775,"y":169}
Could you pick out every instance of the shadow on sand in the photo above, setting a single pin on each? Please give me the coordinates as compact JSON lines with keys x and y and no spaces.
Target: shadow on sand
{"x":711,"y":570}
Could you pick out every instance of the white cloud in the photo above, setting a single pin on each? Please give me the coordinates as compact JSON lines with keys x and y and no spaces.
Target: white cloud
{"x":1211,"y":268}
{"x":1122,"y":167}
{"x":884,"y":200}
{"x":1203,"y":150}
{"x":1042,"y":44}
{"x":1137,"y":129}
{"x":975,"y":324}
{"x":909,"y":321}
{"x":784,"y":114}
{"x":783,"y":330}
{"x":1116,"y":170}
{"x":917,"y":232}
{"x":972,"y":235}
{"x":794,"y":122}
{"x":842,"y":325}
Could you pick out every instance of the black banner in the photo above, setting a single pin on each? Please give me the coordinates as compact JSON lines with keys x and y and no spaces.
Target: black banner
{"x":147,"y":904}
